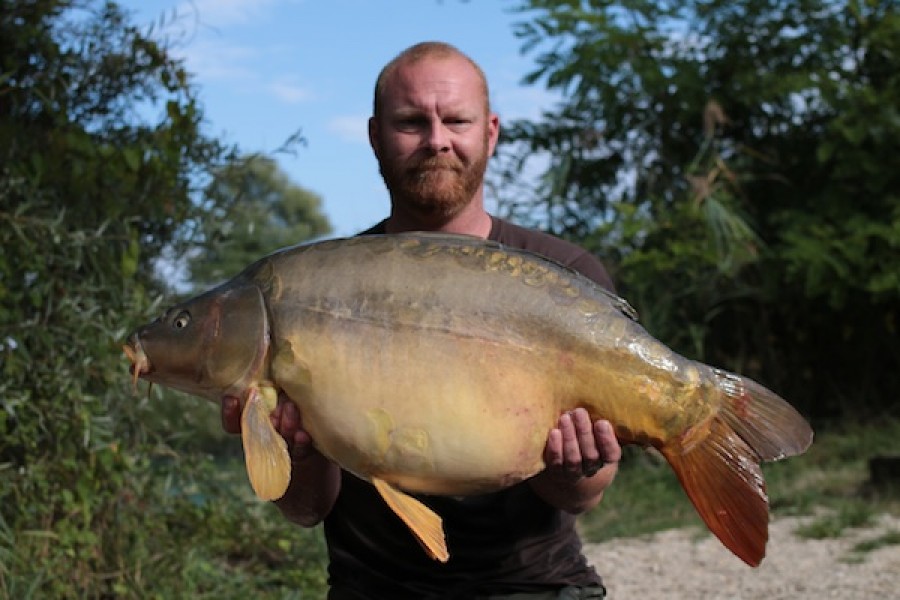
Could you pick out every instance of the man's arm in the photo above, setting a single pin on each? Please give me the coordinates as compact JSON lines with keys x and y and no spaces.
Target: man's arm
{"x":315,"y":480}
{"x":574,"y":450}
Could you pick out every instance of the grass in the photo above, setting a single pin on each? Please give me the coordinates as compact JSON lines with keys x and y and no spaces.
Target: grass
{"x":833,"y":524}
{"x":830,"y":481}
{"x":888,"y":538}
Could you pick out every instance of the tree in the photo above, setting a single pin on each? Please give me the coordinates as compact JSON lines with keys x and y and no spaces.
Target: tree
{"x":261,"y":211}
{"x":92,"y":190}
{"x":737,"y":162}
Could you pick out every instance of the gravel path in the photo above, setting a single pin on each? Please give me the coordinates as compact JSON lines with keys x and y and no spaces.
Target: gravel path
{"x":684,"y":564}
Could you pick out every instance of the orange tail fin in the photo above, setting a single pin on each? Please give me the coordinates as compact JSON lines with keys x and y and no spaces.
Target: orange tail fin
{"x":717,"y":462}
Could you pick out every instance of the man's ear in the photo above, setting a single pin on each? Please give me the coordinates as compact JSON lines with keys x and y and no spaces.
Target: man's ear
{"x":373,"y":137}
{"x":493,"y":132}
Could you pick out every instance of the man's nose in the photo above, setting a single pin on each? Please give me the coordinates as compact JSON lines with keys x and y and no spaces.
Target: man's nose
{"x":438,"y":137}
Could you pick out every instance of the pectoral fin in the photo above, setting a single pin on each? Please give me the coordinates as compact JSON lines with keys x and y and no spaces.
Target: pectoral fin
{"x":265,"y":451}
{"x":424,"y":523}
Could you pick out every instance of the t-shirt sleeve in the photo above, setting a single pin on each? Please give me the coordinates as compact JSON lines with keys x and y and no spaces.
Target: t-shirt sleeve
{"x":588,"y":265}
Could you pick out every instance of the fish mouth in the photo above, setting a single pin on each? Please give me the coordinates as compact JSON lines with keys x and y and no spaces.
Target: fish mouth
{"x":140,"y":364}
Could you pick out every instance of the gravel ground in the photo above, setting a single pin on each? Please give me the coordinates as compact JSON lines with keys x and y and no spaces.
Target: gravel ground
{"x":684,"y":564}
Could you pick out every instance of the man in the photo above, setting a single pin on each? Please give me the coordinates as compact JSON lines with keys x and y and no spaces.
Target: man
{"x":432,"y":132}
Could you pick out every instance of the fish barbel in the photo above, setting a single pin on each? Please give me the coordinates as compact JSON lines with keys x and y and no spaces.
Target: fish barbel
{"x":432,"y":363}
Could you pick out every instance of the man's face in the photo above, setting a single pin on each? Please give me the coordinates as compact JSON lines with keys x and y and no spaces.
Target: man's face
{"x":433,"y":136}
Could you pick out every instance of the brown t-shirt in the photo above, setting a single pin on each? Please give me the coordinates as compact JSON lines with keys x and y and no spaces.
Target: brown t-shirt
{"x":504,"y":542}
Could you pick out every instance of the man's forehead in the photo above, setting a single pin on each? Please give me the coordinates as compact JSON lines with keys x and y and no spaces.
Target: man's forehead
{"x":450,"y":79}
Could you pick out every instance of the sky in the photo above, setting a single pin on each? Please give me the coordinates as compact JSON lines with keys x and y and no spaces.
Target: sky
{"x":268,"y":68}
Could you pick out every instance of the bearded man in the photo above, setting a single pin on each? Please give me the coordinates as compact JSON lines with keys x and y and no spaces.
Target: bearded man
{"x":432,"y":131}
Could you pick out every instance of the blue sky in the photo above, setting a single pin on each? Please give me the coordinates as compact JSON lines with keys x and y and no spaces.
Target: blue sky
{"x":267,"y":68}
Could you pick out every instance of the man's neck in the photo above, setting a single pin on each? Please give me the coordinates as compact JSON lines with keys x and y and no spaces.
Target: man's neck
{"x":473,"y":220}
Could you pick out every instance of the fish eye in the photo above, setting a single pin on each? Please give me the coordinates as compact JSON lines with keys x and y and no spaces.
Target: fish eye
{"x":182,"y":320}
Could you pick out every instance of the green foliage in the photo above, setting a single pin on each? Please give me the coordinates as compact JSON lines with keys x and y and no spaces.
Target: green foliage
{"x":735,"y":162}
{"x":261,"y":211}
{"x":98,"y":499}
{"x":164,"y":535}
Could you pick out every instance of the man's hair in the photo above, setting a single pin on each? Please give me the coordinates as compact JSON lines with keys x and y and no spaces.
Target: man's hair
{"x":416,"y":53}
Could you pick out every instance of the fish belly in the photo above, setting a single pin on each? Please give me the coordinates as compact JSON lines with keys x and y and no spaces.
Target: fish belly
{"x":434,"y":413}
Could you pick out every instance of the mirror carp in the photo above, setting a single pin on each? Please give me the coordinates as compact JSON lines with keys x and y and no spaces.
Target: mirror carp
{"x":437,"y":364}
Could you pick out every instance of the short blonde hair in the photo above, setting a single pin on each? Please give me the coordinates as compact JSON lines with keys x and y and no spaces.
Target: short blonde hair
{"x":419,"y":52}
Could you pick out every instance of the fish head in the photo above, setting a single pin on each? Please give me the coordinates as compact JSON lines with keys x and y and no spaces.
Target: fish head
{"x":209,"y":346}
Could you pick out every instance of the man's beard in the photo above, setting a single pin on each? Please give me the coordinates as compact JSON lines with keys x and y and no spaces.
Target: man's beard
{"x":436,"y":188}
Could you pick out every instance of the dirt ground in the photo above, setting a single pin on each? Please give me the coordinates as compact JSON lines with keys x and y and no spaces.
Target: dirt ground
{"x":686,"y":564}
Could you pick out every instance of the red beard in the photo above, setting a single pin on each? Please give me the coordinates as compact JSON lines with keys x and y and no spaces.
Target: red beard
{"x":435,"y":187}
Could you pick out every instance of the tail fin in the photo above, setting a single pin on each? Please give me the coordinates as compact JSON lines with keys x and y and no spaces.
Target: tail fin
{"x":718,"y":462}
{"x":763,"y":419}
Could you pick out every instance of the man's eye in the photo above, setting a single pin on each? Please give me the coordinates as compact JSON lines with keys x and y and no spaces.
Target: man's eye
{"x":457,"y":123}
{"x":410,"y":122}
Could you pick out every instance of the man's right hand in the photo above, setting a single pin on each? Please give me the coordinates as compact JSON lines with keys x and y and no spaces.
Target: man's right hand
{"x":287,"y":422}
{"x":285,"y":418}
{"x":231,"y":414}
{"x":315,"y":480}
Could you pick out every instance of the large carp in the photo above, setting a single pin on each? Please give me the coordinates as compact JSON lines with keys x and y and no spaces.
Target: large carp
{"x":437,"y":364}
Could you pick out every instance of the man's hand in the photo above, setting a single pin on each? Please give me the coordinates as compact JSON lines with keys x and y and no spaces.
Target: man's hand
{"x":582,"y":459}
{"x":231,"y":414}
{"x":315,"y":480}
{"x":578,"y":448}
{"x":285,"y":418}
{"x":287,"y":422}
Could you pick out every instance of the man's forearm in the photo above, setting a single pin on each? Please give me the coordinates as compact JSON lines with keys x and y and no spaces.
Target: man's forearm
{"x":315,"y":484}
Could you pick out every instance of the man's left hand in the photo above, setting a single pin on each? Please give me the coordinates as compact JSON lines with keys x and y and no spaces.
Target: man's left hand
{"x":578,"y":447}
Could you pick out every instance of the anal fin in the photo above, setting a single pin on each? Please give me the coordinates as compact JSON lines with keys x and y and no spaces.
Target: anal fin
{"x":265,"y":451}
{"x":424,"y":523}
